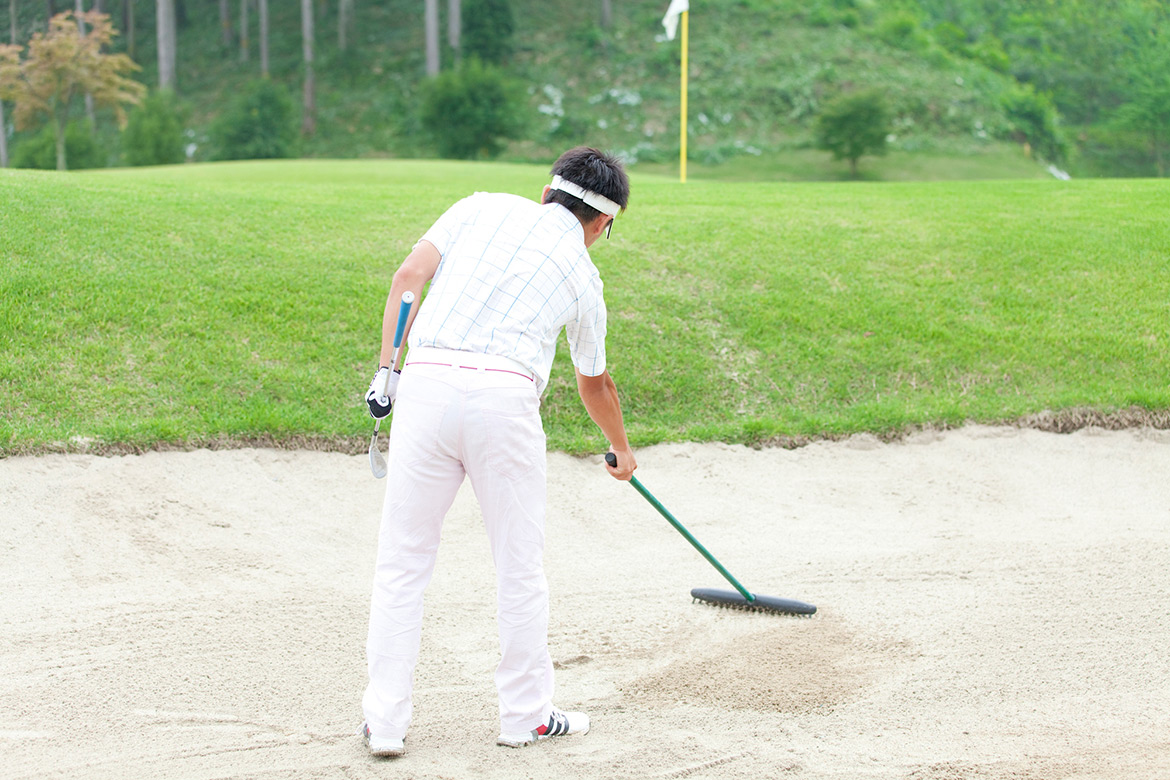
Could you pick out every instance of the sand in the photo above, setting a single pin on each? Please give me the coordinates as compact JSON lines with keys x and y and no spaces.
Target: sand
{"x":993,"y":603}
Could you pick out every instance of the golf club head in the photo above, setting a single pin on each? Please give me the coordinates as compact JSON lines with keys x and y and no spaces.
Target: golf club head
{"x":377,"y":461}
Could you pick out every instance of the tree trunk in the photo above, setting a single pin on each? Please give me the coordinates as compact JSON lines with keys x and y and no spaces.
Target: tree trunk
{"x":166,"y":43}
{"x":60,"y":117}
{"x":243,"y":30}
{"x":79,"y":9}
{"x":606,"y":14}
{"x":225,"y":24}
{"x":309,"y":119}
{"x":1159,"y":155}
{"x":344,"y":20}
{"x":263,"y":6}
{"x":455,"y":26}
{"x":432,"y":31}
{"x":12,"y":19}
{"x":3,"y":138}
{"x":128,"y":28}
{"x":51,"y":7}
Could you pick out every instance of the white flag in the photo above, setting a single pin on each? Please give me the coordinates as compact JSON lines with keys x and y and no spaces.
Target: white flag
{"x":670,"y":21}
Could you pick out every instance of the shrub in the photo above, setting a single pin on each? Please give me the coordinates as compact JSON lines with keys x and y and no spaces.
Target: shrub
{"x":853,"y":125}
{"x":40,"y":151}
{"x":471,"y":111}
{"x":1034,"y":119}
{"x":951,"y":37}
{"x":902,"y":31}
{"x":154,"y":133}
{"x":258,"y":124}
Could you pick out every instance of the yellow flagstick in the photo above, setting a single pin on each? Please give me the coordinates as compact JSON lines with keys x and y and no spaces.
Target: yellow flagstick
{"x":682,"y":151}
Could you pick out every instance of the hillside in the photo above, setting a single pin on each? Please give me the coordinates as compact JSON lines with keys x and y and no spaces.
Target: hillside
{"x":759,"y":72}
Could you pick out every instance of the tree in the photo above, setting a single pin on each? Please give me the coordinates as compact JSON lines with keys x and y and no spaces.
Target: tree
{"x":154,"y":134}
{"x":243,"y":30}
{"x":167,"y":41}
{"x":1147,"y":110}
{"x":80,"y":14}
{"x":471,"y":110}
{"x":309,"y":116}
{"x":344,"y":21}
{"x":62,"y":64}
{"x":431,"y":22}
{"x":225,"y":24}
{"x":263,"y":8}
{"x":257,"y":124}
{"x":9,"y":75}
{"x":454,"y":26}
{"x":128,"y":27}
{"x":3,"y":138}
{"x":854,"y":125}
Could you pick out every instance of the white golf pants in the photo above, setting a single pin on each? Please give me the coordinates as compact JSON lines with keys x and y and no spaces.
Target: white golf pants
{"x":448,"y":422}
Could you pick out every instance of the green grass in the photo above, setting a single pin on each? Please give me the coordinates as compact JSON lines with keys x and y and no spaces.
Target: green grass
{"x":186,"y":305}
{"x":954,"y":162}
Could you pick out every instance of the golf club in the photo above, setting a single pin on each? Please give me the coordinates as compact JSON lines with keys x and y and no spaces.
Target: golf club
{"x":377,"y":460}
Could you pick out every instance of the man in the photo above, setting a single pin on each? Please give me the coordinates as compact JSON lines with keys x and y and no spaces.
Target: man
{"x":506,"y":276}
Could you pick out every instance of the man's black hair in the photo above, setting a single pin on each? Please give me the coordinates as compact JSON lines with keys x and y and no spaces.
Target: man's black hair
{"x":595,"y":171}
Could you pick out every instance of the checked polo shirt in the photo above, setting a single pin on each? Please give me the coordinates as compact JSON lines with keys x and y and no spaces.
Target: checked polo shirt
{"x":513,"y":274}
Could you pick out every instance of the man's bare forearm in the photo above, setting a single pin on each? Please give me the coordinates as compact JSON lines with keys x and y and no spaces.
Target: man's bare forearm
{"x":600,"y":397}
{"x":416,"y":270}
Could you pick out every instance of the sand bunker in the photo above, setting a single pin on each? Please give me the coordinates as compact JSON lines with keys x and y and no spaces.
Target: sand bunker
{"x":993,"y":604}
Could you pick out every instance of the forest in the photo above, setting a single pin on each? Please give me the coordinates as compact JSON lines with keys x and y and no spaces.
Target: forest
{"x":1077,"y":85}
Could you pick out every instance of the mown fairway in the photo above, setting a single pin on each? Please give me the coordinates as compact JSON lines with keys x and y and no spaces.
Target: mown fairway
{"x":243,"y":301}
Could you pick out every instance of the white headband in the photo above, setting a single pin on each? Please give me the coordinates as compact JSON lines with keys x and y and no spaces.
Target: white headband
{"x":591,"y":198}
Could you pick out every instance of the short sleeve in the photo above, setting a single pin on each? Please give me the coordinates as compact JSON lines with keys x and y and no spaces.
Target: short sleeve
{"x":447,"y":227}
{"x":586,"y":334}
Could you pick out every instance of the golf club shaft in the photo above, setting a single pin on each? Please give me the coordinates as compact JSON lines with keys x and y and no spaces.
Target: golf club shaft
{"x":377,"y":462}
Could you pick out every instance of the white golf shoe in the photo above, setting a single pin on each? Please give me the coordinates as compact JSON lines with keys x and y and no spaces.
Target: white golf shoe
{"x":383,"y":747}
{"x":559,"y":724}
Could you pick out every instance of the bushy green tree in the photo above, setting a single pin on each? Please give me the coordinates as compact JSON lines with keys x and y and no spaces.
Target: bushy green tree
{"x":154,"y":133}
{"x":61,"y":65}
{"x":1034,"y":120}
{"x":472,"y":110}
{"x":902,"y":30}
{"x":853,"y":125}
{"x":258,"y":124}
{"x":488,"y":28}
{"x":1147,"y":107}
{"x":80,"y":149}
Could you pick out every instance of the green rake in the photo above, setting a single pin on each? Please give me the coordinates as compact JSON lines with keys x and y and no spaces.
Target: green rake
{"x":741,"y":597}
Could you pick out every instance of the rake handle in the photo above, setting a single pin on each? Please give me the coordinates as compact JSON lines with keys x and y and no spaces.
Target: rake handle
{"x":611,"y":459}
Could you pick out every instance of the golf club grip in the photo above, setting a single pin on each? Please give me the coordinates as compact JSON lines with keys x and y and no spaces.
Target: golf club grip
{"x":403,"y":314}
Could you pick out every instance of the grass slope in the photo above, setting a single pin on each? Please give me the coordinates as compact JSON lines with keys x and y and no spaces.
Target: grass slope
{"x":181,"y":305}
{"x":760,"y":72}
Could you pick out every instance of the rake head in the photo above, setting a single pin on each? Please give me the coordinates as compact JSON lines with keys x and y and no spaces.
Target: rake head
{"x":733,"y":600}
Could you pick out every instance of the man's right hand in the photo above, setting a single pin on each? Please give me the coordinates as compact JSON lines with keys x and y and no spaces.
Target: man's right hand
{"x":625,"y":463}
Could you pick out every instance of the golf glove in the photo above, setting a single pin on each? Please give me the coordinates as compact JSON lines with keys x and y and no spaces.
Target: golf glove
{"x":383,"y":390}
